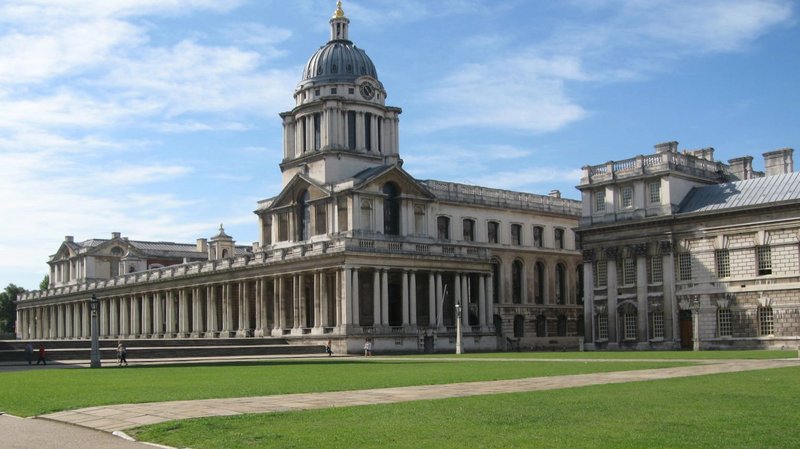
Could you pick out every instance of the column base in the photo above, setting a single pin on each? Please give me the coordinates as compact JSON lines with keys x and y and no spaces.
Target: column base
{"x":211,"y":334}
{"x":196,"y":335}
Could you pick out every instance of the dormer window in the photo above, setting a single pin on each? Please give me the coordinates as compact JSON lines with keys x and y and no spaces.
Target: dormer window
{"x":116,"y":251}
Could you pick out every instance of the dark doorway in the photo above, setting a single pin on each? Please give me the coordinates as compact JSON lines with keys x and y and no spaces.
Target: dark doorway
{"x":687,"y":330}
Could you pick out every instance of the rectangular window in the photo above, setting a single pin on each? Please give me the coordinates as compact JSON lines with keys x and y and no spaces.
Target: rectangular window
{"x":351,"y":130}
{"x":516,"y":234}
{"x":766,"y":325}
{"x":627,"y":197}
{"x":630,"y":326}
{"x":655,"y":270}
{"x":538,"y":236}
{"x":764,"y":260}
{"x":559,"y":238}
{"x":600,"y":274}
{"x":685,"y":266}
{"x":283,"y":226}
{"x":602,"y":326}
{"x":628,"y":271}
{"x":722,"y":260}
{"x":657,"y":324}
{"x":321,"y":219}
{"x":600,"y":201}
{"x":333,"y":91}
{"x":724,"y":322}
{"x":368,"y":131}
{"x":317,"y":131}
{"x":655,"y":192}
{"x":419,"y":220}
{"x":492,"y":228}
{"x":344,"y":224}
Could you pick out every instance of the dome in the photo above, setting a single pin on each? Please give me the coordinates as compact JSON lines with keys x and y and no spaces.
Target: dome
{"x":338,"y":61}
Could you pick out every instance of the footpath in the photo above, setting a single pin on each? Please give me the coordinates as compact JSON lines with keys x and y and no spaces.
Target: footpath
{"x":116,"y":418}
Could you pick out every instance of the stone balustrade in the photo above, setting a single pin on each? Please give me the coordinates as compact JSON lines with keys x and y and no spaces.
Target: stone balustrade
{"x":652,"y":163}
{"x":462,"y":193}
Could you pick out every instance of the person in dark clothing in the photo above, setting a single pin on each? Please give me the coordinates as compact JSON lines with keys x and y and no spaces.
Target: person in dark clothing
{"x":122,"y":354}
{"x":42,"y":355}
{"x":29,"y":353}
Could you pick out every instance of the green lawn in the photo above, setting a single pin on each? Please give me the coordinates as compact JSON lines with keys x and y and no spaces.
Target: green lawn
{"x":630,"y":355}
{"x":756,"y":409}
{"x":36,"y":392}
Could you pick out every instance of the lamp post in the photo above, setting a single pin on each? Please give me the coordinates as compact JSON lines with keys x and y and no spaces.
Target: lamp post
{"x":459,"y":346}
{"x":95,"y":355}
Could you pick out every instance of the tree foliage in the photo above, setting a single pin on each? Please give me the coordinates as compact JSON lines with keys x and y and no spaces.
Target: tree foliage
{"x":8,"y":310}
{"x":45,"y":284}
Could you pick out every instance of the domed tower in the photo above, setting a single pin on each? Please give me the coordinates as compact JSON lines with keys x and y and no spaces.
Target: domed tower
{"x":340,"y":124}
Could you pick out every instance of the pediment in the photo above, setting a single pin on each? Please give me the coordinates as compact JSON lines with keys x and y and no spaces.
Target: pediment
{"x":407,"y":184}
{"x":295,"y":188}
{"x":114,"y":248}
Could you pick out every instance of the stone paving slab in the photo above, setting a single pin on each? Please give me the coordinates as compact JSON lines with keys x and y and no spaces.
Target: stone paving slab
{"x":125,"y":416}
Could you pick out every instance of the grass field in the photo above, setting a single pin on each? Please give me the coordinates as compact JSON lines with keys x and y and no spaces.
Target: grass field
{"x":756,"y":409}
{"x":27,"y":393}
{"x":631,"y":355}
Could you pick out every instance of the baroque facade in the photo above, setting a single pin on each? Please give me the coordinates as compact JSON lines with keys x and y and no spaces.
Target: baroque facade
{"x":353,"y":247}
{"x":682,"y":251}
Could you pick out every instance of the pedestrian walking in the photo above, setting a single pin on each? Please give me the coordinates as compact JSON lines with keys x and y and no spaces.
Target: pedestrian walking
{"x":122,"y":354}
{"x":42,"y":355}
{"x":368,"y":348}
{"x":29,"y":352}
{"x":328,"y":348}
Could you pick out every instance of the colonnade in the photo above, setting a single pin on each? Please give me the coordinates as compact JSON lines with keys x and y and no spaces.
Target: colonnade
{"x":303,"y":303}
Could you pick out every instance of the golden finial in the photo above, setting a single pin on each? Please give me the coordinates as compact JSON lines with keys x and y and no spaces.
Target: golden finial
{"x":339,"y":12}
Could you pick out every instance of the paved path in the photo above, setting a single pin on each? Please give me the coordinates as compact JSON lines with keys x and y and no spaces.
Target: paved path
{"x":20,"y":433}
{"x":124,"y":416}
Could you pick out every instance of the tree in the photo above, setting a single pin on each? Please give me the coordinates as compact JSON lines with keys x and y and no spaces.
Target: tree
{"x":8,"y":310}
{"x":45,"y":284}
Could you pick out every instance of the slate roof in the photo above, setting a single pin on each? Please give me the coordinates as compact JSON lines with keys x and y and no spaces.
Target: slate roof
{"x":162,"y":249}
{"x":748,"y":193}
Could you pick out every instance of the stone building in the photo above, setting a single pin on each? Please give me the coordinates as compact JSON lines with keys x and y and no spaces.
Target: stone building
{"x":684,"y":251}
{"x":353,"y":247}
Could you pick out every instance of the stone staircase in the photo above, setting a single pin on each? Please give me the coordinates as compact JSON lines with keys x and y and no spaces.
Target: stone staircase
{"x":162,"y":350}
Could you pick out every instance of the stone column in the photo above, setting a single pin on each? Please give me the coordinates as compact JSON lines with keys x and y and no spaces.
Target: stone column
{"x":60,"y":325}
{"x":405,"y":297}
{"x":316,"y":302}
{"x":465,"y":300}
{"x":296,"y":282}
{"x":158,"y":315}
{"x":227,"y":310}
{"x":641,"y":297}
{"x":86,"y":321}
{"x":457,"y":297}
{"x":147,"y":316}
{"x":589,"y":330}
{"x":482,"y":302}
{"x":611,"y":266}
{"x":431,"y":300}
{"x":439,"y":302}
{"x":135,"y":318}
{"x":671,"y":319}
{"x":261,"y":309}
{"x":490,"y":299}
{"x":277,"y":305}
{"x":114,"y":318}
{"x":412,"y":306}
{"x":325,"y":300}
{"x":385,"y":297}
{"x":211,"y":311}
{"x":354,"y":302}
{"x":104,"y":306}
{"x":169,"y":314}
{"x":183,"y":312}
{"x":376,"y":298}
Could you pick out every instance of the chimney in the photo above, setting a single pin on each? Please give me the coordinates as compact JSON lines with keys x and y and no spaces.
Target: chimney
{"x":115,"y":235}
{"x":554,"y":194}
{"x":741,"y":167}
{"x":666,"y":147}
{"x":704,"y":153}
{"x":778,"y":162}
{"x":69,"y":238}
{"x":202,"y":245}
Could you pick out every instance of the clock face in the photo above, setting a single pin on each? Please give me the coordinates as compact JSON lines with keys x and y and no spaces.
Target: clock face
{"x":367,"y":91}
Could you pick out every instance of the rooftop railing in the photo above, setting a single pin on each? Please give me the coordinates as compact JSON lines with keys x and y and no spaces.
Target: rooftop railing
{"x":646,"y":164}
{"x":462,"y":193}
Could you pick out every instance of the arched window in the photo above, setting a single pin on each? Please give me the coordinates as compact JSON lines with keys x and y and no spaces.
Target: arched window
{"x":516,"y":282}
{"x":519,"y":326}
{"x":468,"y":227}
{"x":366,"y":215}
{"x":391,"y":209}
{"x":541,"y":326}
{"x":303,"y":216}
{"x":443,"y":228}
{"x":561,"y":284}
{"x":224,"y":253}
{"x":538,"y":283}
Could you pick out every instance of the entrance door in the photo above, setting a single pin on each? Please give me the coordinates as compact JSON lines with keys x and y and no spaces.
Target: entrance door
{"x":687,"y":332}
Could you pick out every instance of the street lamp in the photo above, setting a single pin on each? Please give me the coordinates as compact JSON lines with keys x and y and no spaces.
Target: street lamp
{"x":94,"y":303}
{"x":459,"y":345}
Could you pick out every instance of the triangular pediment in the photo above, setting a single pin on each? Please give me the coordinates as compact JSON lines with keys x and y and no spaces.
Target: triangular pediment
{"x":295,"y":188}
{"x":375,"y":180}
{"x":116,"y":247}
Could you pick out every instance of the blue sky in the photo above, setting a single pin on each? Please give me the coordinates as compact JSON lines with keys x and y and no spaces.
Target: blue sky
{"x":159,"y":118}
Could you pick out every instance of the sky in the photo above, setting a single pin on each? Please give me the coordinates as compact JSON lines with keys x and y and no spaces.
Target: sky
{"x":159,"y":118}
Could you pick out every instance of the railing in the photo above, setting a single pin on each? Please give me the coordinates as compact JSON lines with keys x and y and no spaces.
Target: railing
{"x":686,"y":163}
{"x":462,"y":193}
{"x":273,"y":255}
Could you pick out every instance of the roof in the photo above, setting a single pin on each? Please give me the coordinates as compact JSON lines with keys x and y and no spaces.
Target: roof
{"x":751,"y":192}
